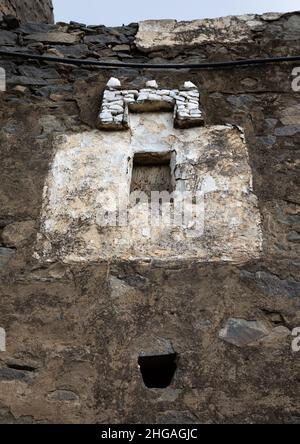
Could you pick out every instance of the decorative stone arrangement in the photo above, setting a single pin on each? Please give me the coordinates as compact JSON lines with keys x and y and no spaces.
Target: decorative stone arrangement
{"x":117,"y":103}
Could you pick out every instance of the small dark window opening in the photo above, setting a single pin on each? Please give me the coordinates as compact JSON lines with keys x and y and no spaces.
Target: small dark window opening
{"x":158,"y":370}
{"x":151,"y":172}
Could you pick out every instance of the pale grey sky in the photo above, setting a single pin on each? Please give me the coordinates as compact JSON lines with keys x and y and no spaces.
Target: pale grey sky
{"x":117,"y":12}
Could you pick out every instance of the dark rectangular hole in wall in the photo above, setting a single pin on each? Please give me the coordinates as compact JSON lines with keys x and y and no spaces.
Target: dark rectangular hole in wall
{"x":158,"y":370}
{"x":151,"y":172}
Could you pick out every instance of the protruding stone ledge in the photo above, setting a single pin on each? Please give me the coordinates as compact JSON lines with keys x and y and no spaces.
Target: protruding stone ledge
{"x":166,"y":35}
{"x":117,"y":103}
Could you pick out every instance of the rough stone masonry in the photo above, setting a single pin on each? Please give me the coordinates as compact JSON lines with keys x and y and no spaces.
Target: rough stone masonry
{"x":26,"y":11}
{"x":81,"y":315}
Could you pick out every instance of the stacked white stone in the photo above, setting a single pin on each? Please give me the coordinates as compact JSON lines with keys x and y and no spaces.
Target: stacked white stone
{"x":113,"y":104}
{"x":114,"y":110}
{"x":152,"y":94}
{"x":149,"y":93}
{"x":188,"y":103}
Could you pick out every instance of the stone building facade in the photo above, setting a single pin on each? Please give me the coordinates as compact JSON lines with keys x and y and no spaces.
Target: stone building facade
{"x":94,"y":328}
{"x":28,"y":11}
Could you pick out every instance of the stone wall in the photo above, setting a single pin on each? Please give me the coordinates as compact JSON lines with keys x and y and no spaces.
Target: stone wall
{"x":31,"y":11}
{"x":74,"y":332}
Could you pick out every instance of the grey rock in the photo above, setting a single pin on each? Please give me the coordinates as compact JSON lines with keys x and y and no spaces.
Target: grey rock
{"x":26,"y":81}
{"x":292,"y":27}
{"x":266,"y":140}
{"x":249,"y":82}
{"x":121,"y":48}
{"x":8,"y":38}
{"x":105,"y":39}
{"x":51,"y":124}
{"x":54,"y":37}
{"x":135,"y":280}
{"x":6,"y":221}
{"x":241,"y":100}
{"x":159,"y":346}
{"x":10,"y":374}
{"x":5,"y":255}
{"x":45,"y":91}
{"x":274,"y":286}
{"x":77,"y":24}
{"x":240,"y":332}
{"x":33,"y":72}
{"x":29,"y":11}
{"x":31,"y":28}
{"x":73,"y":51}
{"x":289,"y":130}
{"x":288,"y":219}
{"x":63,"y":395}
{"x":21,"y":49}
{"x":293,"y":237}
{"x":271,"y":16}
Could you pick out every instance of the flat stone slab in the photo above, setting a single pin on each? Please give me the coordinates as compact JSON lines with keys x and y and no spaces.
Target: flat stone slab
{"x":154,"y":35}
{"x":54,"y":37}
{"x":240,"y":332}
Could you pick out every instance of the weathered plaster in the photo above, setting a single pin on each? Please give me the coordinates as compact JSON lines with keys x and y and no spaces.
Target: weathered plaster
{"x":91,"y":168}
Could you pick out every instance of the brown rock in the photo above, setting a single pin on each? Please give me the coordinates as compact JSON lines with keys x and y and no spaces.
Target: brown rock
{"x":17,"y":234}
{"x":121,"y":48}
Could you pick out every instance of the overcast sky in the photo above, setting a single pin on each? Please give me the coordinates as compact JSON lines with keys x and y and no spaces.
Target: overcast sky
{"x":118,"y":12}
